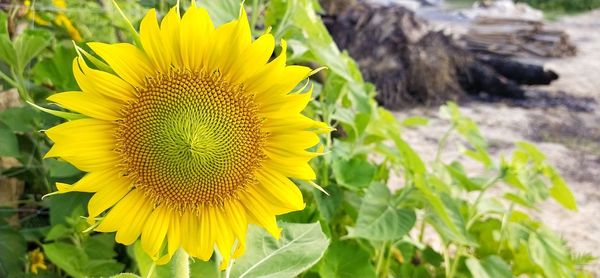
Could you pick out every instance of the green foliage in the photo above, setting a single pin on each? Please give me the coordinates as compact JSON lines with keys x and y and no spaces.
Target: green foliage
{"x":369,"y":225}
{"x":563,"y":5}
{"x":300,"y":246}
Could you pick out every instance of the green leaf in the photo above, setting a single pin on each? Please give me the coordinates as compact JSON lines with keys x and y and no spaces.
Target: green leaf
{"x":61,"y":169}
{"x":8,"y":54}
{"x":443,"y":213}
{"x":57,"y":70}
{"x":93,"y":259}
{"x":12,"y":252}
{"x":549,"y":253}
{"x":126,"y":275}
{"x":415,"y":121}
{"x":560,"y":190}
{"x":21,"y":119}
{"x":379,"y":218}
{"x":300,"y":247}
{"x":346,"y":259}
{"x":29,"y":45}
{"x":328,"y":205}
{"x":67,"y":257}
{"x":221,"y":11}
{"x":432,"y":257}
{"x":459,"y":176}
{"x":490,"y":267}
{"x":10,"y":144}
{"x":354,"y":173}
{"x":7,"y":51}
{"x":58,"y":231}
{"x":65,"y":206}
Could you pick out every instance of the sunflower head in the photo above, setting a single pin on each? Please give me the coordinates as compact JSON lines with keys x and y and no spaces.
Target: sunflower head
{"x":192,"y":134}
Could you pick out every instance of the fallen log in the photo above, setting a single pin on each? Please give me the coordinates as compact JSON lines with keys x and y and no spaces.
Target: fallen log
{"x":410,"y":64}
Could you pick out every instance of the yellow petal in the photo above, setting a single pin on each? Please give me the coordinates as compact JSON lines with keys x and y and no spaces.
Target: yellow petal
{"x":174,"y":233}
{"x":234,"y":41}
{"x":272,"y":97}
{"x":101,"y":83}
{"x":225,"y":239}
{"x":206,"y":237}
{"x":301,"y":171}
{"x":170,"y":34}
{"x":236,"y":218}
{"x":258,"y":213}
{"x":152,"y":42}
{"x":91,"y":105}
{"x":196,"y":29}
{"x":155,"y":230}
{"x":122,"y":213}
{"x":79,"y":136}
{"x":91,"y":182}
{"x":128,"y":61}
{"x":263,"y":78}
{"x":278,"y":190}
{"x":254,"y":56}
{"x":113,"y":189}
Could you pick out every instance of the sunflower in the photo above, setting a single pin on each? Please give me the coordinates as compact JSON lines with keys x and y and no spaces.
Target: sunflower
{"x":36,"y":261}
{"x":191,"y":135}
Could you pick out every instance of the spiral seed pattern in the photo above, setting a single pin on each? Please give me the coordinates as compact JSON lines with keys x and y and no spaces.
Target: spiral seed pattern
{"x":190,"y":139}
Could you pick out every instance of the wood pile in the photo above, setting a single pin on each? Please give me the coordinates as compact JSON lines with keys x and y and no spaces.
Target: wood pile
{"x":517,"y":38}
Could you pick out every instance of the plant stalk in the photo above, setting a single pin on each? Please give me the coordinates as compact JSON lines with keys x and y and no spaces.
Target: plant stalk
{"x":181,"y":264}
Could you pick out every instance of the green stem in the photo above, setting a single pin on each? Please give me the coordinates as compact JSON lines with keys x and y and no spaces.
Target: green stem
{"x":446,"y":260}
{"x":503,"y":227}
{"x":228,"y":270}
{"x":442,"y":144}
{"x":386,"y":266}
{"x":381,"y":255}
{"x":151,"y":270}
{"x":255,"y":12}
{"x":181,"y":264}
{"x":422,"y":230}
{"x":487,"y":186}
{"x":456,"y":260}
{"x":8,"y":79}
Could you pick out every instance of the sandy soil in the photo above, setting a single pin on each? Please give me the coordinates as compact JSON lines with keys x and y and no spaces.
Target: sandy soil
{"x":562,"y":119}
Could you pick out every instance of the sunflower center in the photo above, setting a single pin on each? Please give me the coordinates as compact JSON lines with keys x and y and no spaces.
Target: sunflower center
{"x":190,"y":139}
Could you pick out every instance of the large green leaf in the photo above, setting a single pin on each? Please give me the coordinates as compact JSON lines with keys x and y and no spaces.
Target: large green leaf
{"x":549,"y":253}
{"x":560,"y":190}
{"x":9,"y":145}
{"x":12,"y":252}
{"x":328,"y":204}
{"x":354,"y":173}
{"x":65,"y":206}
{"x":346,"y":259}
{"x":490,"y":267}
{"x":75,"y":261}
{"x":21,"y":119}
{"x":7,"y":51}
{"x":29,"y":45}
{"x":221,"y":11}
{"x":57,"y":70}
{"x":379,"y":218}
{"x":300,"y":247}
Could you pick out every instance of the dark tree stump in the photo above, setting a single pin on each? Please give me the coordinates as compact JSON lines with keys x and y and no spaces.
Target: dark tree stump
{"x":410,"y":64}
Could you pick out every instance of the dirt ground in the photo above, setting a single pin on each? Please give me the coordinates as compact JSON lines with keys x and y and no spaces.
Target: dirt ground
{"x":562,"y":119}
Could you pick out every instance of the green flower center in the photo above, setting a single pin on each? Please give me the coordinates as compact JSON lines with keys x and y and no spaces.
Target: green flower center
{"x":191,"y":139}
